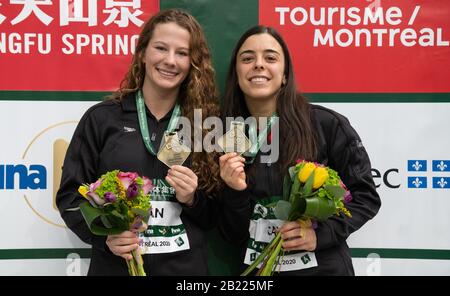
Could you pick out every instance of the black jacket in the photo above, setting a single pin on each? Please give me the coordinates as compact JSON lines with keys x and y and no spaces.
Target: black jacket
{"x":340,"y":148}
{"x":108,"y":137}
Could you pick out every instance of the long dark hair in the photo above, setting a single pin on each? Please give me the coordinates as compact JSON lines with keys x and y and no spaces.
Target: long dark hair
{"x":293,"y":109}
{"x":197,"y":91}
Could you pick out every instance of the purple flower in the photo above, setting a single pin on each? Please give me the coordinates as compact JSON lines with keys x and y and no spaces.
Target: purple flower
{"x":148,"y":186}
{"x":132,"y":191}
{"x":110,"y":197}
{"x":138,"y":225}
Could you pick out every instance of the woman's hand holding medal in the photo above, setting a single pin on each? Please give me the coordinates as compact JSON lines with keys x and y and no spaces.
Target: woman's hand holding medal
{"x":184,"y":181}
{"x":232,"y":170}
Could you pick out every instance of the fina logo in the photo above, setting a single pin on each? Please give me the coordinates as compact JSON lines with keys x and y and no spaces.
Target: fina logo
{"x":439,"y":168}
{"x":46,"y":150}
{"x":33,"y":178}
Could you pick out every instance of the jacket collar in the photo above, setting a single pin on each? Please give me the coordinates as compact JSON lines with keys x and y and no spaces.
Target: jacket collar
{"x":129,"y":105}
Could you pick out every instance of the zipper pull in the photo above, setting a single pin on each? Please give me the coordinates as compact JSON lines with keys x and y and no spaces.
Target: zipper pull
{"x":153,"y":137}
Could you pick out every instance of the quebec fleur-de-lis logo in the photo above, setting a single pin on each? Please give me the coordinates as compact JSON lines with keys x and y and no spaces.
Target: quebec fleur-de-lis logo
{"x":417,"y":165}
{"x":417,"y":182}
{"x":441,"y":166}
{"x":442,"y":183}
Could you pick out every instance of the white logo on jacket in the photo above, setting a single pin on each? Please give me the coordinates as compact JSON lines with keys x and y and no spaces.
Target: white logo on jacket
{"x":128,"y":129}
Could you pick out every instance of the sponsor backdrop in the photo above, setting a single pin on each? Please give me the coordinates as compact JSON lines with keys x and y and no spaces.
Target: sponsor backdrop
{"x":383,"y":64}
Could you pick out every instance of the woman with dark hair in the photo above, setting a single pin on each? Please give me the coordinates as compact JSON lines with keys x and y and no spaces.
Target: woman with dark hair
{"x":261,"y":84}
{"x":171,"y":75}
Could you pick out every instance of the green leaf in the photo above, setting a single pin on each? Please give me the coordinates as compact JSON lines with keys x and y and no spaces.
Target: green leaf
{"x":319,"y":208}
{"x":294,"y":191}
{"x":105,"y":221}
{"x":292,"y":171}
{"x":115,"y":213}
{"x":298,"y":208}
{"x":287,"y":184}
{"x":335,"y":190}
{"x":123,"y":208}
{"x":91,"y":214}
{"x":282,"y":210}
{"x":100,"y":230}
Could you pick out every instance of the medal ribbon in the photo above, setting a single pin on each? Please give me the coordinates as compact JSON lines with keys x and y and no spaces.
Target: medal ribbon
{"x":257,"y":141}
{"x":143,"y":121}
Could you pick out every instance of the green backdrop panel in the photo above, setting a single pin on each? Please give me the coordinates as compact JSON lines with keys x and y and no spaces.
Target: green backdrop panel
{"x":223,"y":22}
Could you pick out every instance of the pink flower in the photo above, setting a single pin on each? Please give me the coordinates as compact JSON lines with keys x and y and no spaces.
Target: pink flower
{"x":342,"y":185}
{"x":148,"y":186}
{"x":94,"y":186}
{"x":127,"y":178}
{"x":96,"y":198}
{"x":320,"y":165}
{"x":348,"y":197}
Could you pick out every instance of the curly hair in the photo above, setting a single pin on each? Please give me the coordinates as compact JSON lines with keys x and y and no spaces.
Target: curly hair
{"x":197,"y":91}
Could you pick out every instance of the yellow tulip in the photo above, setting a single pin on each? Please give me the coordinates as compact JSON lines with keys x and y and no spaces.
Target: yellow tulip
{"x":320,"y":176}
{"x":306,"y":171}
{"x":83,"y":191}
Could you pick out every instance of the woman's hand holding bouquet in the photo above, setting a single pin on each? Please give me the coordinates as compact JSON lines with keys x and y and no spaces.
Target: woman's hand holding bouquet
{"x":311,"y":192}
{"x":118,"y":206}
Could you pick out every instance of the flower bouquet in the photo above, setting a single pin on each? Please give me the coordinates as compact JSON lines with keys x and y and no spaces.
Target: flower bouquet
{"x":117,"y":202}
{"x":311,"y":191}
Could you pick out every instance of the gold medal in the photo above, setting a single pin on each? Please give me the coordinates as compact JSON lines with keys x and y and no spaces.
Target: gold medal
{"x":173,"y":151}
{"x":235,"y":139}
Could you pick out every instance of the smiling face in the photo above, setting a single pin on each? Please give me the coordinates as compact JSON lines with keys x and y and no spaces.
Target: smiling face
{"x":260,"y":68}
{"x":166,"y":58}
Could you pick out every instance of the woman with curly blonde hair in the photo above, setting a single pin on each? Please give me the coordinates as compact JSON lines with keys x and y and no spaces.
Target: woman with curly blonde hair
{"x":170,"y":76}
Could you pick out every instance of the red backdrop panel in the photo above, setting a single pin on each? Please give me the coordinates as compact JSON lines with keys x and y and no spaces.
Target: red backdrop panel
{"x":374,"y":68}
{"x":88,"y":60}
